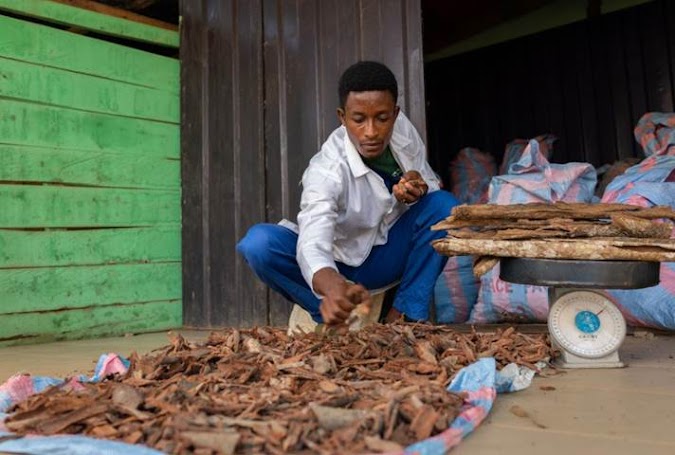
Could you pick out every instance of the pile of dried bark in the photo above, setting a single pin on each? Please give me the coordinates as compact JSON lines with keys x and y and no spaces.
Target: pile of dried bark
{"x":558,"y":231}
{"x":259,"y":391}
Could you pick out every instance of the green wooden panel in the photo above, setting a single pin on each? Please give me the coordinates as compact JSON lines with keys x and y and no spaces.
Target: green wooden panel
{"x":98,"y":246}
{"x":27,"y":81}
{"x":91,"y":20}
{"x":25,"y":328}
{"x":31,"y":206}
{"x":29,"y":42}
{"x":54,"y":288}
{"x":47,"y":165}
{"x":23,"y":123}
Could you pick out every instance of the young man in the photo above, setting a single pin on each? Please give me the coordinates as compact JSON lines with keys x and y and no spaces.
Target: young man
{"x":369,"y":198}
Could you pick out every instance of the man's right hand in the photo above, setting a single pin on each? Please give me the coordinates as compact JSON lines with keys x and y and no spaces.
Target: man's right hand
{"x":339,"y":296}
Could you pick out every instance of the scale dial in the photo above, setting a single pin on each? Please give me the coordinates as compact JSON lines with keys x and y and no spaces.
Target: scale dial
{"x":586,"y":324}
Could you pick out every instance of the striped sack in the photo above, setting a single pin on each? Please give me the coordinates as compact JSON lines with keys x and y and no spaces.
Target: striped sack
{"x":514,"y":150}
{"x":456,"y":290}
{"x":470,"y":173}
{"x":531,"y":179}
{"x":655,"y":132}
{"x":650,"y":183}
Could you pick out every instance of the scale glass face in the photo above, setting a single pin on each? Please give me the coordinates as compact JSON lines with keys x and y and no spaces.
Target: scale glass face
{"x":586,"y":324}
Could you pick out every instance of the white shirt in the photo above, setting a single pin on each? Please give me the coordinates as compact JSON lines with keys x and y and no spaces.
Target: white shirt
{"x":345,"y":207}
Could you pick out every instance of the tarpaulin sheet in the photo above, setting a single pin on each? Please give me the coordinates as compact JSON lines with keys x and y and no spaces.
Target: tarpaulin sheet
{"x":21,"y":386}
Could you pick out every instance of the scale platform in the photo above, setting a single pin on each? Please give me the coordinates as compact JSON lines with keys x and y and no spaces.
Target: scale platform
{"x":585,"y":326}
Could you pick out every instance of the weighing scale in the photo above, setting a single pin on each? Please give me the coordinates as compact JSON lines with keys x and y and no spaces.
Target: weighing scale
{"x":585,"y":326}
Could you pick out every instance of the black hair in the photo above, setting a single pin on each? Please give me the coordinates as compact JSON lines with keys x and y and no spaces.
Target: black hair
{"x":366,"y":76}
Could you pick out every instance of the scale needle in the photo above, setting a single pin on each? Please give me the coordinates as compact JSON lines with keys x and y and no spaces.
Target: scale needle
{"x":598,"y":313}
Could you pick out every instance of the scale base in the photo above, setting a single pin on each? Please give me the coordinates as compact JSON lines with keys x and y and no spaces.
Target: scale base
{"x":568,"y":360}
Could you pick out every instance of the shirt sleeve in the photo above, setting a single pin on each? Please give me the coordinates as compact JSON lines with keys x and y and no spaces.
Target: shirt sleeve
{"x":428,"y":174}
{"x":316,"y":221}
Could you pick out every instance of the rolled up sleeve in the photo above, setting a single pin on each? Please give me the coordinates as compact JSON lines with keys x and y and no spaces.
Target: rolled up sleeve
{"x":316,"y":222}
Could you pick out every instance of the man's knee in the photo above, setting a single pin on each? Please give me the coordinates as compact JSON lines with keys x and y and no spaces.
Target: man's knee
{"x":255,"y":246}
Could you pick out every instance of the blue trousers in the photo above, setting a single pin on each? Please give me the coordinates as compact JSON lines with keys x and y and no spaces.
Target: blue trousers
{"x":407,"y":256}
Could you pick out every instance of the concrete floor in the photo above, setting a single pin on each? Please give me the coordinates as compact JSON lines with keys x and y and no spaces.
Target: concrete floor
{"x":620,"y":411}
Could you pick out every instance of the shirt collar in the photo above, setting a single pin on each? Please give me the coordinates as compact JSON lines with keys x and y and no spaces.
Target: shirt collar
{"x":398,"y":144}
{"x":354,"y":160}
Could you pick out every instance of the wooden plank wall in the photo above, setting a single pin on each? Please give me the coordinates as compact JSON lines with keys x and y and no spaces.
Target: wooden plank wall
{"x":259,"y":97}
{"x":223,"y":168}
{"x":89,"y":186}
{"x":588,"y":83}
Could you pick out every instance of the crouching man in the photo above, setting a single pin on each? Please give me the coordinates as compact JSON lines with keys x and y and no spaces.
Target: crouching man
{"x":368,"y":201}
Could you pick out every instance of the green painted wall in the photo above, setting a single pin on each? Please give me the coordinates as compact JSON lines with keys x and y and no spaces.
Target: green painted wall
{"x":90,"y":215}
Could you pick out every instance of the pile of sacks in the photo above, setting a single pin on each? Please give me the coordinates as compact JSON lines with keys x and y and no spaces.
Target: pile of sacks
{"x":526,"y":176}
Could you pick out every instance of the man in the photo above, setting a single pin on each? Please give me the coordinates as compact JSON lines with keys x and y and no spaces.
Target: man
{"x":369,"y":198}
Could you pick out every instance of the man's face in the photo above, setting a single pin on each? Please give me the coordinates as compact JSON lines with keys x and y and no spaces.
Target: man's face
{"x":369,"y":118}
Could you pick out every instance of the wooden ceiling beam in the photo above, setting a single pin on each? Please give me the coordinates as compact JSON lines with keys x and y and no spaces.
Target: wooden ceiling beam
{"x":119,"y":12}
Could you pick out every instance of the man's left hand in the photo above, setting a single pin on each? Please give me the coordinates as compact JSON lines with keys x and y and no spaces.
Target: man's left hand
{"x":410,"y":188}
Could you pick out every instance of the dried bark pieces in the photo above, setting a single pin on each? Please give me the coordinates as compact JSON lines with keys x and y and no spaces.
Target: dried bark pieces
{"x":259,"y":391}
{"x":637,"y":227}
{"x":557,"y":231}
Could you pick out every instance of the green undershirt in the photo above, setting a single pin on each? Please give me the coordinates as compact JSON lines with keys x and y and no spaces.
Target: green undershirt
{"x":384,"y":163}
{"x":386,"y":167}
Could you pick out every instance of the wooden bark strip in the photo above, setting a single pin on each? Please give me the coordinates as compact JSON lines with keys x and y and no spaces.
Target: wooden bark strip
{"x":539,"y":210}
{"x":568,"y":224}
{"x":637,"y":227}
{"x":651,"y":250}
{"x":483,"y":265}
{"x":585,"y":230}
{"x":557,"y":210}
{"x":452,"y":222}
{"x":663,"y":244}
{"x":505,"y":234}
{"x":589,"y":229}
{"x":223,"y":442}
{"x":60,"y":423}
